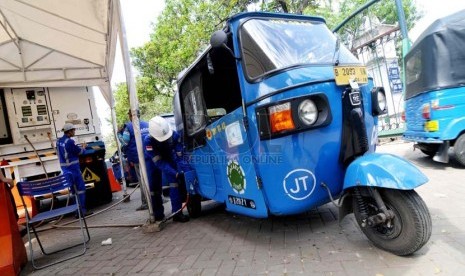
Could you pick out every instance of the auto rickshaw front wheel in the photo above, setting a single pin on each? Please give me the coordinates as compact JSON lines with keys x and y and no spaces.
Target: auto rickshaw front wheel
{"x":408,"y":230}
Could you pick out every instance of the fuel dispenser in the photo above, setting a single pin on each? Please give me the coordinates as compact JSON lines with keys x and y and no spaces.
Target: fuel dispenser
{"x":95,"y":175}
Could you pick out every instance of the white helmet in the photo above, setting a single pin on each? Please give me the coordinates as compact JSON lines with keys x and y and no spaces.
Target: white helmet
{"x":160,"y":129}
{"x":68,"y":126}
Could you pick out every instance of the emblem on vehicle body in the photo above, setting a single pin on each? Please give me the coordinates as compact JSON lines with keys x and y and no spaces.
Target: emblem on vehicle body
{"x":299,"y":184}
{"x":355,"y":98}
{"x":236,"y":177}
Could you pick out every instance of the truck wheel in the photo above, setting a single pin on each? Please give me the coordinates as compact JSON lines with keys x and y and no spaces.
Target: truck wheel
{"x":459,"y":149}
{"x":194,"y":206}
{"x":429,"y":149}
{"x":407,"y":232}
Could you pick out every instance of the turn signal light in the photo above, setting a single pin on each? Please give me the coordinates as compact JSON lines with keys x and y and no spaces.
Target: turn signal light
{"x":425,"y":112}
{"x":281,"y":117}
{"x":403,"y":116}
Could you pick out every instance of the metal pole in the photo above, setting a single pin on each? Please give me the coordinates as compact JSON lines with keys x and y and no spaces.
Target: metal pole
{"x":118,"y":144}
{"x":133,"y":101}
{"x":405,"y":40}
{"x":390,"y":88}
{"x":362,"y":8}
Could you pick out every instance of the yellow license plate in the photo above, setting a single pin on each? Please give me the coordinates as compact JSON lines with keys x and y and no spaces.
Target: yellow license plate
{"x":343,"y":74}
{"x":432,"y":126}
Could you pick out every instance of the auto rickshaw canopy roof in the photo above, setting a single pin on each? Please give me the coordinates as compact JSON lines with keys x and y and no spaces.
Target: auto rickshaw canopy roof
{"x":437,"y":59}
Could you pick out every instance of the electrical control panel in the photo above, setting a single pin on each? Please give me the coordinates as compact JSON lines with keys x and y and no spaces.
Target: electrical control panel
{"x":31,"y":107}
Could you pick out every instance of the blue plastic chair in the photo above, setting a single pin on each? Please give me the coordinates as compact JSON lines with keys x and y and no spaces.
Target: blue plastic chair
{"x":50,"y":187}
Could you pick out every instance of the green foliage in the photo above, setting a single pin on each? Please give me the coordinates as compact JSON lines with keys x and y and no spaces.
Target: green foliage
{"x":385,"y":11}
{"x":121,"y":104}
{"x":110,"y":145}
{"x":150,"y":103}
{"x":289,"y":6}
{"x":182,"y":31}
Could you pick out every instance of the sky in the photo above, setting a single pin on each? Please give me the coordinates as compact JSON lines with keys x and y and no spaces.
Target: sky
{"x":140,"y":14}
{"x":138,"y":18}
{"x":434,"y":9}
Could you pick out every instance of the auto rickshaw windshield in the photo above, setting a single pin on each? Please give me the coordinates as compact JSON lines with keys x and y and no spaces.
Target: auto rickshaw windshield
{"x":269,"y":45}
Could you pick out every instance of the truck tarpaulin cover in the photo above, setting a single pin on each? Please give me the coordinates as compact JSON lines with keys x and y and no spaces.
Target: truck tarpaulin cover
{"x":56,"y":43}
{"x":437,"y":59}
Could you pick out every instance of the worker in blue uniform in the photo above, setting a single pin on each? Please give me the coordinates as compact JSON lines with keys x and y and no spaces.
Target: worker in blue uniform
{"x":163,"y":149}
{"x":128,"y":142}
{"x":68,"y":153}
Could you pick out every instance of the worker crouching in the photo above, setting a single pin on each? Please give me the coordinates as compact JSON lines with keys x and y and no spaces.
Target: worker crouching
{"x":163,"y":151}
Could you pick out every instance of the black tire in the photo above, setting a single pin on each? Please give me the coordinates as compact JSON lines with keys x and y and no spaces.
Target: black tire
{"x":410,"y":228}
{"x":429,"y":149}
{"x":194,"y":206}
{"x":459,"y":149}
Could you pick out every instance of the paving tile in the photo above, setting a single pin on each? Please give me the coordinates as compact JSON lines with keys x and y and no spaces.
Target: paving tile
{"x":189,"y":261}
{"x":227,"y":267}
{"x":206,"y":264}
{"x":152,"y":264}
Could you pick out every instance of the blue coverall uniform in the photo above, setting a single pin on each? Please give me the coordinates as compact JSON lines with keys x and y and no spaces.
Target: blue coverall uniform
{"x":128,"y":140}
{"x":68,"y":153}
{"x":167,"y":157}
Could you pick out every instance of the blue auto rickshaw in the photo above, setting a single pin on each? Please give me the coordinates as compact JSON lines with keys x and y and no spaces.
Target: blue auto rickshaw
{"x":435,"y":90}
{"x":278,"y":118}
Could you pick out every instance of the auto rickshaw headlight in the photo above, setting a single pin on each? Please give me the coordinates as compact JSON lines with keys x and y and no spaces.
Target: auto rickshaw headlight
{"x":308,"y":112}
{"x":378,"y":101}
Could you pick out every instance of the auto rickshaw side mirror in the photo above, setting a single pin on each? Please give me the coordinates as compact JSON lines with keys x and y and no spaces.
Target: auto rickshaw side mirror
{"x":219,"y":40}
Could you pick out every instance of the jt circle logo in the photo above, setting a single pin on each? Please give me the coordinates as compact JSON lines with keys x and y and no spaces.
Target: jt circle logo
{"x":299,"y":184}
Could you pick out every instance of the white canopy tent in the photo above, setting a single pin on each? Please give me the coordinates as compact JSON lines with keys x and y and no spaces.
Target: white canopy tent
{"x":57,"y":43}
{"x":64,"y":43}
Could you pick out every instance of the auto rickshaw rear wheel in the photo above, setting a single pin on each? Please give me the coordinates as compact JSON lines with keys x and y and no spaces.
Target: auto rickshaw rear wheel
{"x":407,"y":232}
{"x":459,"y":149}
{"x":429,"y":149}
{"x":194,"y":206}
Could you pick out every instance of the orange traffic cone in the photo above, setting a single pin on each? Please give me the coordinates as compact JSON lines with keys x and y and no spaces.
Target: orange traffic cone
{"x":114,"y":184}
{"x":12,"y":252}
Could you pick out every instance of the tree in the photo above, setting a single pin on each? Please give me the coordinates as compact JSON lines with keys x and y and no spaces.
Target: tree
{"x":289,"y":6}
{"x":181,"y":32}
{"x":385,"y":11}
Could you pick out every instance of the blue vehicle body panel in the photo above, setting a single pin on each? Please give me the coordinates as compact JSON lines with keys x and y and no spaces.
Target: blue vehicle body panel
{"x":225,"y":158}
{"x":447,"y":107}
{"x":385,"y":171}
